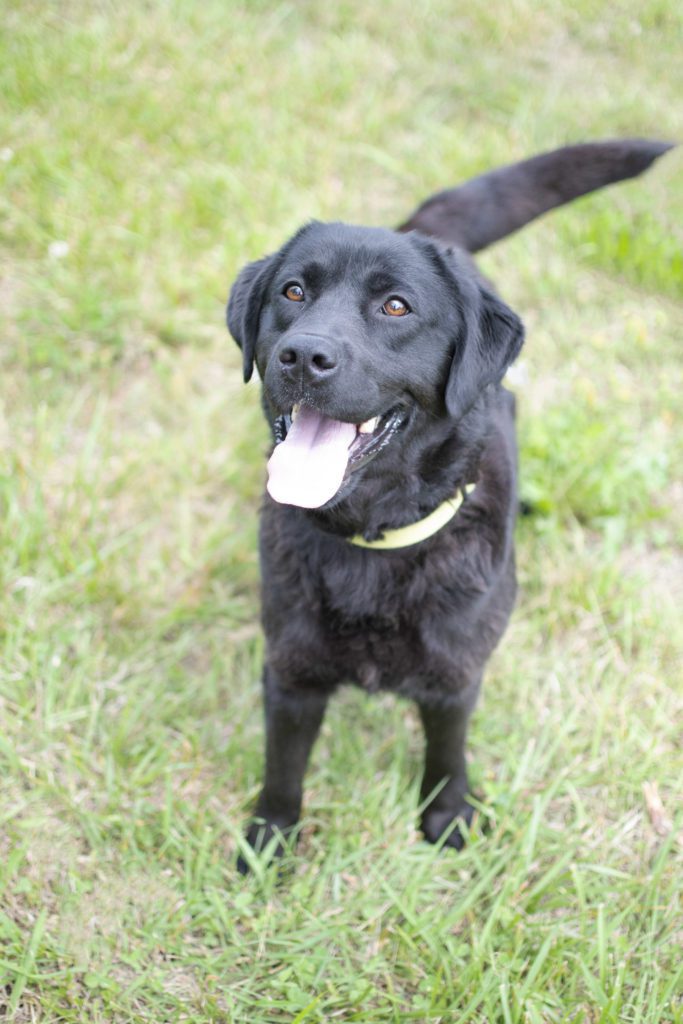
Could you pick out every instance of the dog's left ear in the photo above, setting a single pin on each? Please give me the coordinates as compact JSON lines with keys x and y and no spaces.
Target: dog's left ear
{"x":492,"y":338}
{"x":244,"y":308}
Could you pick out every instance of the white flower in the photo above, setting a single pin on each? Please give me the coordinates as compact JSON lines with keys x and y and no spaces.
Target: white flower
{"x":58,"y":250}
{"x":517,"y":374}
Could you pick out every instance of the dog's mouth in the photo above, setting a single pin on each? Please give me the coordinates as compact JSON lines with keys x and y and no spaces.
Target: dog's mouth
{"x":314,"y":453}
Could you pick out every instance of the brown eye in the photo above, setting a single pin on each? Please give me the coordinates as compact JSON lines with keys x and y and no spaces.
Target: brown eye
{"x":294,"y":292}
{"x":395,"y":307}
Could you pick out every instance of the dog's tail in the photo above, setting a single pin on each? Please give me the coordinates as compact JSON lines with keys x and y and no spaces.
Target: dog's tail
{"x":496,"y":204}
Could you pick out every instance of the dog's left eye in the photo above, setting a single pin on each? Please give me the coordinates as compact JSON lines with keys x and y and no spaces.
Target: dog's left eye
{"x":396,"y":307}
{"x":294,"y":292}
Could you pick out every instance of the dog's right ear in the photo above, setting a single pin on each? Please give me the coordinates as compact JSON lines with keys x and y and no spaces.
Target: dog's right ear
{"x":244,"y":308}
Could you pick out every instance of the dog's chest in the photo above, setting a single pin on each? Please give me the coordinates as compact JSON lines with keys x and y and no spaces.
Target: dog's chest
{"x":403,"y":625}
{"x":414,"y":624}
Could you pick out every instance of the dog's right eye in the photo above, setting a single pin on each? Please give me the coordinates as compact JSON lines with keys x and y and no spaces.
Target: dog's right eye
{"x":294,"y":292}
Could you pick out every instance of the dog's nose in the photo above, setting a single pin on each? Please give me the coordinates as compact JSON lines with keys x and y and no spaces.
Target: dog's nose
{"x":308,"y":356}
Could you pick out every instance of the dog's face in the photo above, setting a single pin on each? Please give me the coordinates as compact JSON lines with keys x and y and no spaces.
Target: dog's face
{"x":354,"y":332}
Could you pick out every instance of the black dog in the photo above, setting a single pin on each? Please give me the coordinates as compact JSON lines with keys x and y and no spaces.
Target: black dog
{"x":387,"y":536}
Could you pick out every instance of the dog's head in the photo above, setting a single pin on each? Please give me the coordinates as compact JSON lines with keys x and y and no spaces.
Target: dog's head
{"x":354,"y":330}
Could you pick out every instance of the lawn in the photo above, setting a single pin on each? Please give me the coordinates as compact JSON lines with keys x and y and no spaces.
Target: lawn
{"x":148,"y":150}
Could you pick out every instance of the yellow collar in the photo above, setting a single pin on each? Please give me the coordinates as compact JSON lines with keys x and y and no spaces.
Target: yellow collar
{"x":406,"y":536}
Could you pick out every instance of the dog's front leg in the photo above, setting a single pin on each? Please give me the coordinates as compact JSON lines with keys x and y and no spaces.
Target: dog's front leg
{"x":293,"y":721}
{"x":444,"y":782}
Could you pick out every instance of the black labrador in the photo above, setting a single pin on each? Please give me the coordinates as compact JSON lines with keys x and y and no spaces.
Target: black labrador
{"x":387,"y":531}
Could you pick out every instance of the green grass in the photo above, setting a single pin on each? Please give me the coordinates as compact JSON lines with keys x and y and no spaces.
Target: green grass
{"x":166,"y":143}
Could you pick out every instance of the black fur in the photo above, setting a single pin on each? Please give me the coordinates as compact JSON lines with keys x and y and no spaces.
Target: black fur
{"x":420,"y":621}
{"x":496,"y":204}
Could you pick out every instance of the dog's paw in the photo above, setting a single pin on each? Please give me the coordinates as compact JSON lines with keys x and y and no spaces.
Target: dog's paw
{"x":268,"y":842}
{"x":439,"y":822}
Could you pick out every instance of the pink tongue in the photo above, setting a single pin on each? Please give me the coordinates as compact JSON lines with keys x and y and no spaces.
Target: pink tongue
{"x":307,"y":468}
